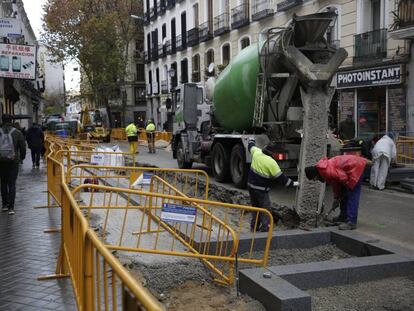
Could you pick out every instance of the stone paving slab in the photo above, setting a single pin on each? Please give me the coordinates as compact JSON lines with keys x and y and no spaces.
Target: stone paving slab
{"x":26,"y":252}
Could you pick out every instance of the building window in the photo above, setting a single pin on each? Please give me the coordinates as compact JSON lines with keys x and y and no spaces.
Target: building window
{"x":173,"y":75}
{"x":244,"y":43}
{"x":196,"y":76}
{"x":225,"y":52}
{"x":208,"y":61}
{"x":184,"y":71}
{"x":139,"y":96}
{"x":140,"y":75}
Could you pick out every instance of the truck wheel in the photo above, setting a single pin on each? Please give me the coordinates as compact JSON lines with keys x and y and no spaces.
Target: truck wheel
{"x":220,"y":163}
{"x":182,"y":163}
{"x":238,"y":167}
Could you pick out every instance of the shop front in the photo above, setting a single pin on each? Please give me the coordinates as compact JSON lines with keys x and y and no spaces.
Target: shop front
{"x":375,"y":98}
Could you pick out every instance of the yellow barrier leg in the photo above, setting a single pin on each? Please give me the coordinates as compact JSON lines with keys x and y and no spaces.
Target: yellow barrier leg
{"x":61,"y":270}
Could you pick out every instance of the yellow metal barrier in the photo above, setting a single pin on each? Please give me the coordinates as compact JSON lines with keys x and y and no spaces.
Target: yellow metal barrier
{"x":132,"y":221}
{"x":405,"y":151}
{"x":119,"y":134}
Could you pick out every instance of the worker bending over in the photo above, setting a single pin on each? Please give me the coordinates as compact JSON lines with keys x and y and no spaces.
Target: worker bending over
{"x":344,"y":173}
{"x":150,"y":129}
{"x":264,"y":171}
{"x":132,"y":135}
{"x":383,"y":154}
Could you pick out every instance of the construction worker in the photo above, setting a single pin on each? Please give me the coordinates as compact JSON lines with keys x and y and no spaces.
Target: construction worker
{"x":150,"y":129}
{"x":383,"y":153}
{"x":345,"y":174}
{"x":264,"y":171}
{"x":132,"y":135}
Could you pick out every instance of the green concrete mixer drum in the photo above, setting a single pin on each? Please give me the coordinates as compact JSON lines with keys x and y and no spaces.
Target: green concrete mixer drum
{"x":235,"y":91}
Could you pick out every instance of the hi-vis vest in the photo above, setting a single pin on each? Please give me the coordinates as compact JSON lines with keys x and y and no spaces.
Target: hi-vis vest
{"x":150,"y":127}
{"x":131,"y":130}
{"x":263,"y":170}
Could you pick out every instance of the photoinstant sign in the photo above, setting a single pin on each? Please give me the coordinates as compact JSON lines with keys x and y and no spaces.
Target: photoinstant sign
{"x":369,"y":77}
{"x":17,"y":61}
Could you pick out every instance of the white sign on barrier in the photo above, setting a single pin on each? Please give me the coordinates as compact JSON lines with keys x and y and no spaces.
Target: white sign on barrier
{"x":178,"y":213}
{"x":98,"y":159}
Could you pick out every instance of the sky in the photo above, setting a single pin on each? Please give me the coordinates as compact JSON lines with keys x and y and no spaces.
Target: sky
{"x":34,"y":12}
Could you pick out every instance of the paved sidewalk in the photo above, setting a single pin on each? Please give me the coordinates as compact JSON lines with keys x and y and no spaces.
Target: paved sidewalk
{"x":26,"y":252}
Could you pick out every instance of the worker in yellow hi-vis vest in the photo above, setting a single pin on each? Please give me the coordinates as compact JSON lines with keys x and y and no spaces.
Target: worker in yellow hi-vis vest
{"x":150,"y":129}
{"x":132,"y":135}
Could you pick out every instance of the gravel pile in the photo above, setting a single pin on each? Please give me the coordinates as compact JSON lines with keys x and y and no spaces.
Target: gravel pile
{"x":393,"y":294}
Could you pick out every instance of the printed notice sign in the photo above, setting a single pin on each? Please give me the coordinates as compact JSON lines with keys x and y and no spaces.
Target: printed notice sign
{"x":178,"y":213}
{"x":146,"y":178}
{"x":17,"y":61}
{"x":98,"y":159}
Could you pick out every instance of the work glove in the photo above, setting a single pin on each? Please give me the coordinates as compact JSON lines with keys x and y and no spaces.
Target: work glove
{"x":252,"y":140}
{"x":295,"y":184}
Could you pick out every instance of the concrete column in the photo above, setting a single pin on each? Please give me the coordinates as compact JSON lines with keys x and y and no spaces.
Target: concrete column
{"x":316,"y":102}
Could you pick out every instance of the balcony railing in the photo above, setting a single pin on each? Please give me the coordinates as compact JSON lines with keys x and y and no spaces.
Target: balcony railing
{"x":138,"y":56}
{"x":168,"y":47}
{"x":192,"y":37}
{"x":162,"y":50}
{"x":179,"y":43}
{"x":405,"y":13}
{"x":164,"y":87}
{"x":195,"y":76}
{"x":170,"y":4}
{"x":161,"y":7}
{"x":262,"y":9}
{"x":205,"y":32}
{"x":147,"y":59}
{"x":240,"y":16}
{"x":371,"y":45}
{"x":146,"y":18}
{"x":154,"y":54}
{"x":221,"y":24}
{"x":153,"y":13}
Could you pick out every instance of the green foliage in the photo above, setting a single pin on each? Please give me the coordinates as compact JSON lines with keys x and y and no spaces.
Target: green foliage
{"x":95,"y":33}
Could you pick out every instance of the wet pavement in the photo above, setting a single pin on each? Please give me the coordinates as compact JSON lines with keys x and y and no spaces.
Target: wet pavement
{"x":26,"y":252}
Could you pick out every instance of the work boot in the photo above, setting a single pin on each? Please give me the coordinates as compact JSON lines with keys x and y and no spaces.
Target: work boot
{"x":11,"y":211}
{"x":347,"y":226}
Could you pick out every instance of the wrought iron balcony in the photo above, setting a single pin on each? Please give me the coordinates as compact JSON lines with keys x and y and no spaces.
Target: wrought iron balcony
{"x":196,"y":76}
{"x":153,"y":13}
{"x":138,"y":57}
{"x":162,"y":50}
{"x":240,"y":16}
{"x":147,"y":59}
{"x":168,"y":47}
{"x":262,"y":9}
{"x":371,"y":45}
{"x":146,"y":18}
{"x":192,"y":37}
{"x":179,"y":43}
{"x":162,"y":6}
{"x":221,"y":24}
{"x":170,"y":4}
{"x":205,"y":31}
{"x":154,"y":54}
{"x":164,"y":87}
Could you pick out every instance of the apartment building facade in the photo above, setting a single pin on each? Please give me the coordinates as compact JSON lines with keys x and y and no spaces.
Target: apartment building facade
{"x":190,"y":40}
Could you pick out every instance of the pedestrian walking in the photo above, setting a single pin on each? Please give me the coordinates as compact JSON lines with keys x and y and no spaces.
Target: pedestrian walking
{"x":35,"y":140}
{"x":150,"y":129}
{"x":264,"y":171}
{"x":12,"y":151}
{"x":345,"y":174}
{"x":383,"y":153}
{"x":132,"y":135}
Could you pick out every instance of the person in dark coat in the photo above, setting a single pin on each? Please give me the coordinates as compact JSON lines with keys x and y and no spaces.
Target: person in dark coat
{"x":35,"y":140}
{"x":9,"y":166}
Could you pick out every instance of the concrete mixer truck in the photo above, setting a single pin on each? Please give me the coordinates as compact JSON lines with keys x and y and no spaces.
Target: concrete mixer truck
{"x":262,"y":92}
